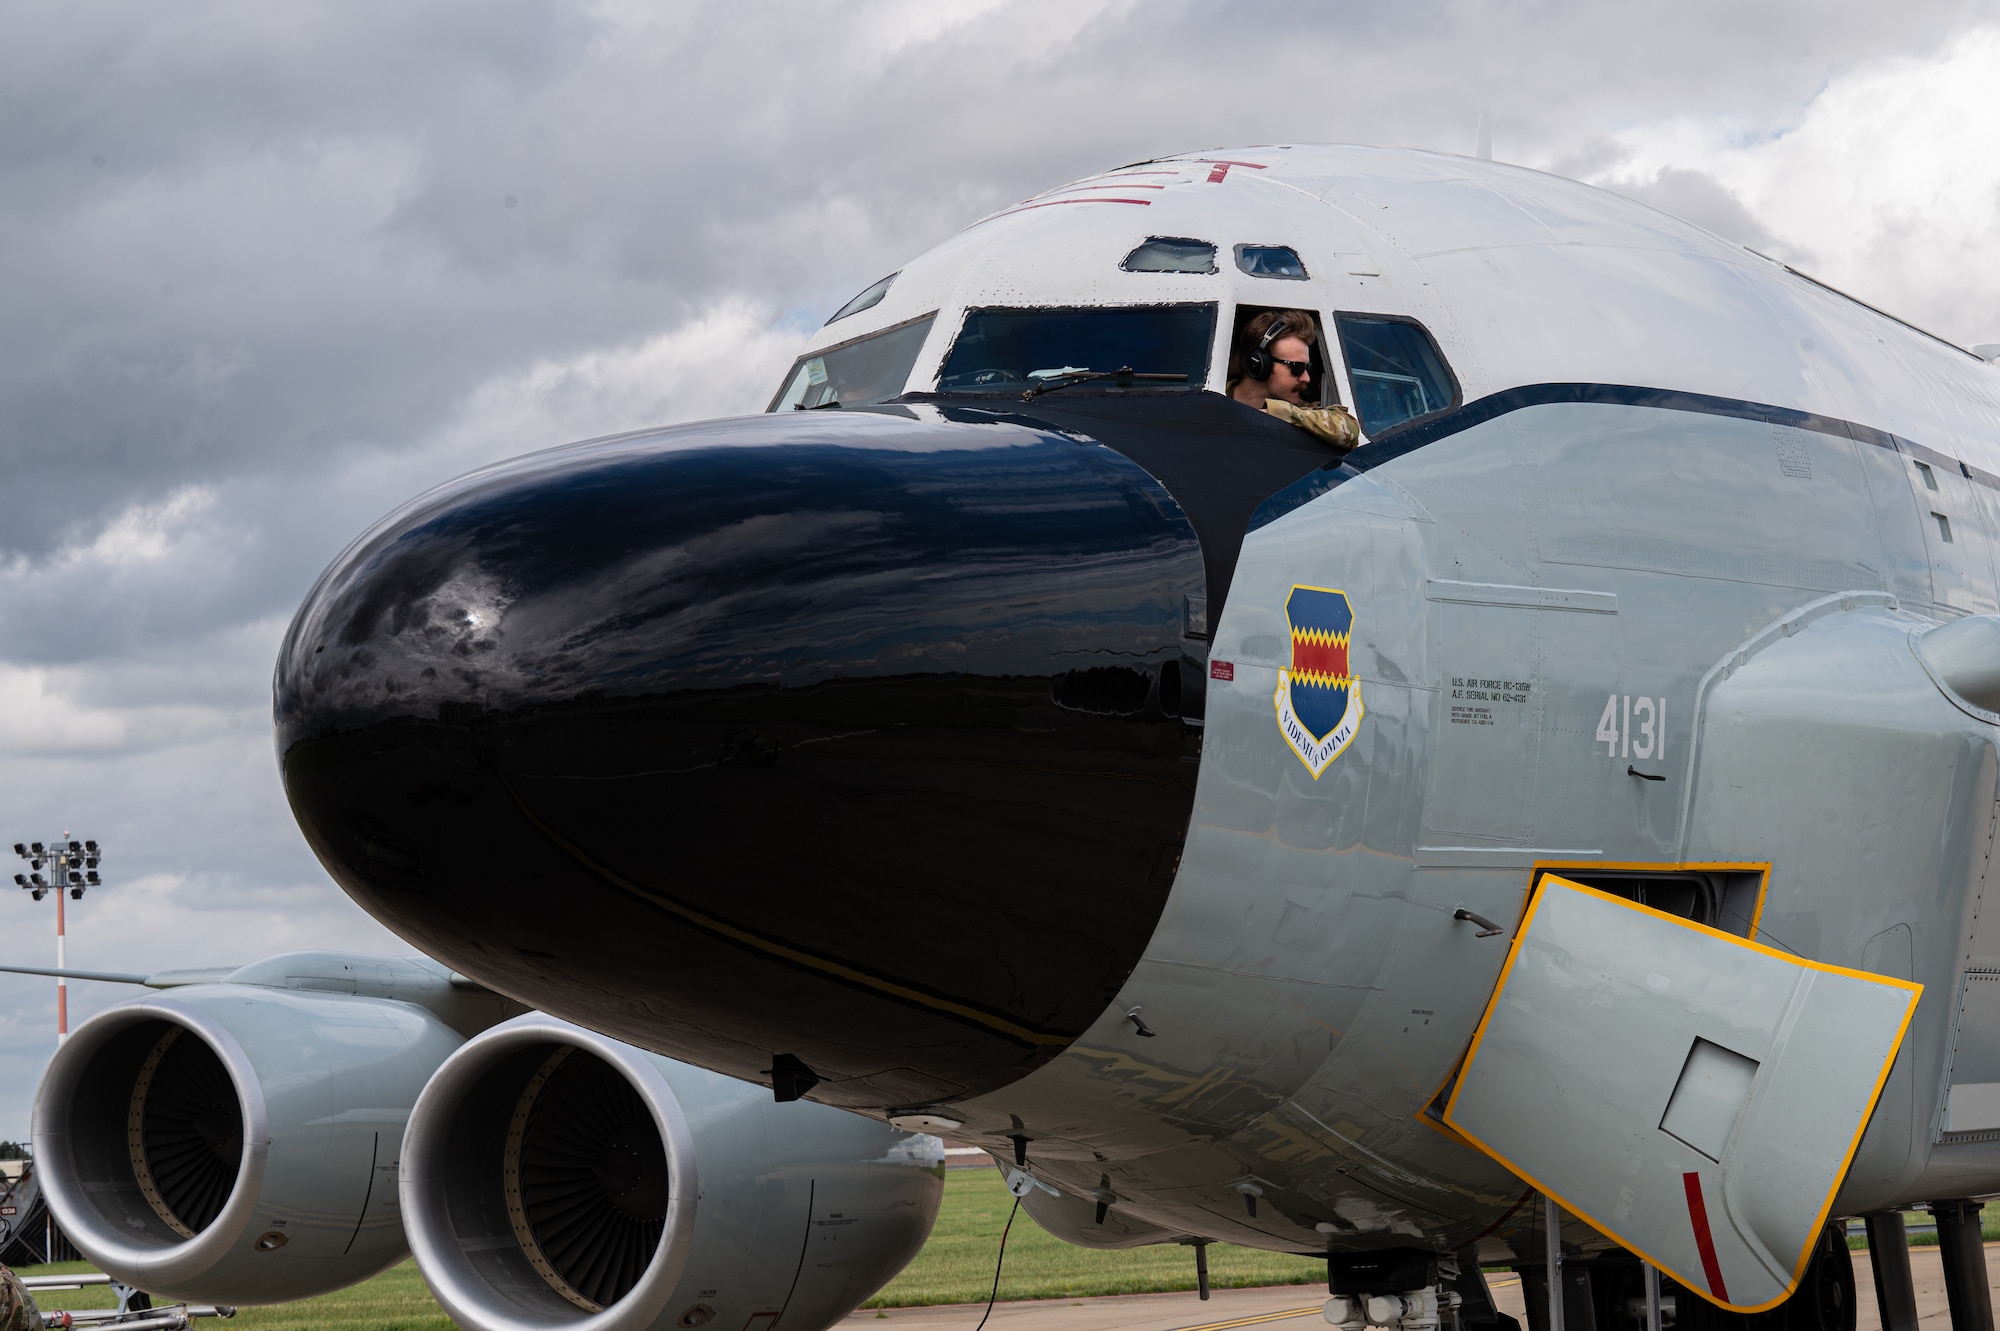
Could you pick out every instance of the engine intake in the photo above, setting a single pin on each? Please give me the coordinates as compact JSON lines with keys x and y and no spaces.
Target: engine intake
{"x":183,"y":1128}
{"x":235,"y":1145}
{"x":583,"y":1173}
{"x":553,"y":1177}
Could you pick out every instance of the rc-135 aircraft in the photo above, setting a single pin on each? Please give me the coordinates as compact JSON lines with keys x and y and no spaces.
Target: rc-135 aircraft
{"x":1586,"y":787}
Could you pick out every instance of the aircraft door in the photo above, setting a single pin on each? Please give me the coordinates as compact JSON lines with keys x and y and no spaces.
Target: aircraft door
{"x":1957,"y":535}
{"x":1694,"y":1095}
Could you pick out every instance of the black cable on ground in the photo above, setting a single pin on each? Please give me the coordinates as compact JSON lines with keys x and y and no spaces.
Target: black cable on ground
{"x":997,"y":1263}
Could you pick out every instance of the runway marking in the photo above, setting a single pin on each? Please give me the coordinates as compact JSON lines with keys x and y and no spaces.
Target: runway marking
{"x":1253,"y":1321}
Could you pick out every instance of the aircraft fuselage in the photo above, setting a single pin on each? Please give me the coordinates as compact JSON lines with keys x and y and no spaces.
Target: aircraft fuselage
{"x":1108,"y":770}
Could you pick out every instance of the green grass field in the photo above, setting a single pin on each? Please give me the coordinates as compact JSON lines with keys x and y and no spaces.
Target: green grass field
{"x":956,"y":1266}
{"x":1989,"y":1229}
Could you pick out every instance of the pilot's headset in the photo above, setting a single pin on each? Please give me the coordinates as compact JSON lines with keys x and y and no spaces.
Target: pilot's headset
{"x":1258,"y":363}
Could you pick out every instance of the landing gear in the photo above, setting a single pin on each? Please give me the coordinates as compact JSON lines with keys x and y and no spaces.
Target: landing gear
{"x":1397,"y":1289}
{"x":1963,"y":1252}
{"x":1608,"y":1293}
{"x":1889,"y":1255}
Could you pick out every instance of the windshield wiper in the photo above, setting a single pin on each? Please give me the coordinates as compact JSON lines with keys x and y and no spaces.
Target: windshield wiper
{"x":1074,"y":377}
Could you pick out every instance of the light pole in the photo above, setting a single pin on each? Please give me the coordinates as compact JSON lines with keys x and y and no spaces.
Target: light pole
{"x":72,"y":867}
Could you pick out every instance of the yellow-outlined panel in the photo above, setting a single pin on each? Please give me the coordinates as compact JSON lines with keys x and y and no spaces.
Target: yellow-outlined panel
{"x":1881,"y":1078}
{"x":1544,"y":868}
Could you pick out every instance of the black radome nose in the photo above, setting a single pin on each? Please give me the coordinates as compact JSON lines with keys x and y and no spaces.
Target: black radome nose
{"x":861,"y":738}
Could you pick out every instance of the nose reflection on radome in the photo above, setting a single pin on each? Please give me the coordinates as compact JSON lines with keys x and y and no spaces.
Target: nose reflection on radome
{"x":877,"y":727}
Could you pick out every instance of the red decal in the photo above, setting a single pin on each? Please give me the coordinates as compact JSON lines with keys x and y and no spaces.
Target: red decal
{"x":1222,"y":670}
{"x":1219,"y":169}
{"x":1703,"y":1242}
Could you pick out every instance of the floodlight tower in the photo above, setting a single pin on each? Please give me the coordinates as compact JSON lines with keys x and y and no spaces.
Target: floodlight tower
{"x":72,"y":867}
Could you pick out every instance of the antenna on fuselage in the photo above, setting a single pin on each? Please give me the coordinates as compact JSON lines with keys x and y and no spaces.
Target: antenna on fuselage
{"x":1484,"y":149}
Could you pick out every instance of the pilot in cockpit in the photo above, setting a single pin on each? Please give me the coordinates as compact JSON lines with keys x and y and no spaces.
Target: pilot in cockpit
{"x":1270,"y":369}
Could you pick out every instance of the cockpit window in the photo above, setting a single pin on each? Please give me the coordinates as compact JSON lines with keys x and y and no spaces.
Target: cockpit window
{"x":1271,"y":261}
{"x":1171,"y":254}
{"x":999,"y":349}
{"x":868,"y":369}
{"x":1395,"y":369}
{"x":867,"y":300}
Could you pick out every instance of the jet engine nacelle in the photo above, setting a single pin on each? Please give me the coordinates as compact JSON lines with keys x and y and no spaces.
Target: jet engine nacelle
{"x":235,"y":1144}
{"x":555,"y":1178}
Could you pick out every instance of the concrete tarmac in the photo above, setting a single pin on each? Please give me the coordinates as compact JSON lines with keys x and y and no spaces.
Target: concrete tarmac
{"x":1226,"y":1308}
{"x":1299,"y":1305}
{"x":1926,"y":1269}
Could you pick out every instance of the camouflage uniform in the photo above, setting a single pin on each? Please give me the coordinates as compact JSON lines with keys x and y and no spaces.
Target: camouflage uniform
{"x":17,"y":1308}
{"x":1335,"y":424}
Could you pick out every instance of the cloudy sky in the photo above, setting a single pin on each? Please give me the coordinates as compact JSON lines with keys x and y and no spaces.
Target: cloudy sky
{"x":266,"y":269}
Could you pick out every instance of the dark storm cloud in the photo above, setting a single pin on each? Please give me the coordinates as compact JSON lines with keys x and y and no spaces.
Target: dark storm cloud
{"x":268,"y":269}
{"x":299,"y":238}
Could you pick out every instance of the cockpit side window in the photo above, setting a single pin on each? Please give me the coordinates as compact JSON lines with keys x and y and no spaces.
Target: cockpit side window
{"x":867,"y":300}
{"x":868,"y":369}
{"x":1395,"y":370}
{"x":1002,"y":349}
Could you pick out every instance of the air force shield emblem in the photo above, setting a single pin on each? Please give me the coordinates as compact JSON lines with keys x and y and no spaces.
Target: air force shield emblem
{"x":1318,"y":699}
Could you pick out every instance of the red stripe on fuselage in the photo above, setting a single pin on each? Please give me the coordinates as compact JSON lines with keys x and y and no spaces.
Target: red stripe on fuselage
{"x":1056,"y":203}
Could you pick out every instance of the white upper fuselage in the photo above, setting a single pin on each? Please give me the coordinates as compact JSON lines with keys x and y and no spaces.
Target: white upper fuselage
{"x":1521,"y":277}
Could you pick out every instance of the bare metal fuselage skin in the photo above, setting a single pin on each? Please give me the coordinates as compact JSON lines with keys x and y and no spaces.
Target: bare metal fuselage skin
{"x":1310,"y":988}
{"x":1684,"y":521}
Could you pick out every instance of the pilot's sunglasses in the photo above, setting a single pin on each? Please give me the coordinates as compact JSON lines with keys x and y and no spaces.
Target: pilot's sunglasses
{"x":1301,"y":368}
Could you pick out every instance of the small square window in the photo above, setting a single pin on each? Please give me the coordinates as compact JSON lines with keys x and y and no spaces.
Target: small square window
{"x":1171,"y":254}
{"x":1280,"y":261}
{"x":1924,"y":470}
{"x":1944,"y":527}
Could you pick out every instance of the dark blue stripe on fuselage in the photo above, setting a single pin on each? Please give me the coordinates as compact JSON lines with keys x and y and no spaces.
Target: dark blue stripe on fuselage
{"x":1397,"y":443}
{"x":1407,"y":439}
